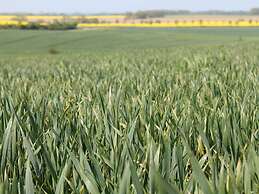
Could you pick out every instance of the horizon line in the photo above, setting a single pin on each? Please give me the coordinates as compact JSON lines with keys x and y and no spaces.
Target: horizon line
{"x":124,"y":12}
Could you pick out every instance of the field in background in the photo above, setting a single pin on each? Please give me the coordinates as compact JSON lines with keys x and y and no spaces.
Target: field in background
{"x":53,"y":18}
{"x":124,"y":21}
{"x":129,"y":111}
{"x":109,"y":40}
{"x":212,"y":17}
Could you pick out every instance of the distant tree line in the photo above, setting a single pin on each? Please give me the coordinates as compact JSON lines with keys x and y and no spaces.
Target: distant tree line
{"x":163,"y":13}
{"x":254,"y":11}
{"x":155,"y":13}
{"x":38,"y":26}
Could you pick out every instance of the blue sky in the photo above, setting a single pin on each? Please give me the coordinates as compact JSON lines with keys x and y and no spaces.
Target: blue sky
{"x":95,"y":6}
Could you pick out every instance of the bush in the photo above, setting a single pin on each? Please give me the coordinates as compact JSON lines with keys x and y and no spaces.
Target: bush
{"x":89,"y":21}
{"x":31,"y":26}
{"x":62,"y":26}
{"x":9,"y":26}
{"x":53,"y":51}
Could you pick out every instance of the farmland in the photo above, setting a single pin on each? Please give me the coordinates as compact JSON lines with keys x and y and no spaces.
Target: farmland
{"x":134,"y":111}
{"x":124,"y":21}
{"x":113,"y":40}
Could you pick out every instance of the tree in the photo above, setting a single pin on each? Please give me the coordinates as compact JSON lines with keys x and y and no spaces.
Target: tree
{"x":254,"y":11}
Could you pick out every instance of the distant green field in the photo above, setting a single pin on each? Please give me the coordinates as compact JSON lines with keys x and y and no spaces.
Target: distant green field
{"x":32,"y":42}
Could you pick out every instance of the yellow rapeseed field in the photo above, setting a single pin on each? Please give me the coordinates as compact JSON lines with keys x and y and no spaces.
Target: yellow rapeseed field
{"x":176,"y":24}
{"x":13,"y":23}
{"x":50,"y":18}
{"x":24,"y":20}
{"x":7,"y":17}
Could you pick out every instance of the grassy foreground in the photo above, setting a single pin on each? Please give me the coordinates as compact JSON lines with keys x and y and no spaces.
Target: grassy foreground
{"x":154,"y":121}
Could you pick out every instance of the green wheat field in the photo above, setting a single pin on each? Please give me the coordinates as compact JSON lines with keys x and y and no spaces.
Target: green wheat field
{"x":129,"y":111}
